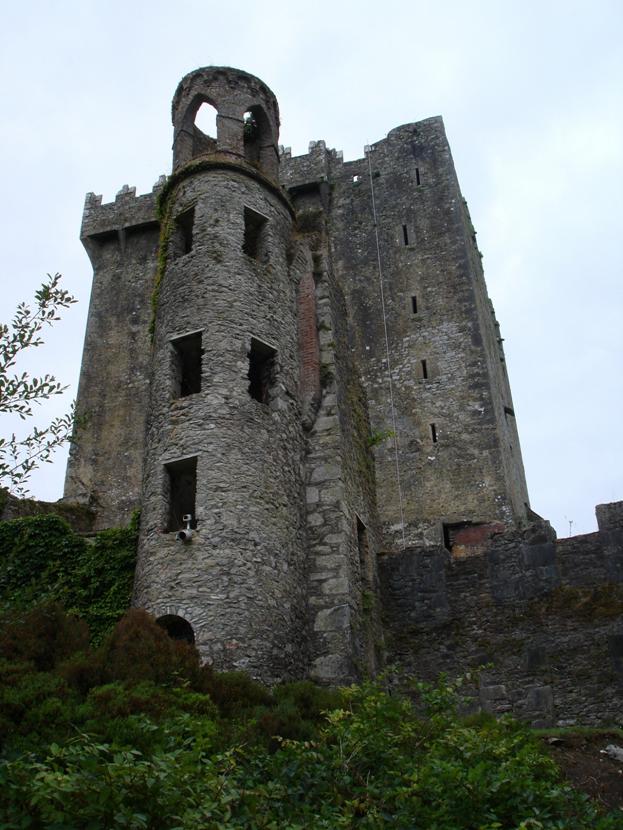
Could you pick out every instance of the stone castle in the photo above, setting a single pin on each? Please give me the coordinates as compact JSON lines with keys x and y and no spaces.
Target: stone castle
{"x":293,"y":369}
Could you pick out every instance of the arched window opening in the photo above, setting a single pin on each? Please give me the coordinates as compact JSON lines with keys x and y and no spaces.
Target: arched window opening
{"x":204,"y":130}
{"x":177,"y":628}
{"x":256,"y":134}
{"x":205,"y":119}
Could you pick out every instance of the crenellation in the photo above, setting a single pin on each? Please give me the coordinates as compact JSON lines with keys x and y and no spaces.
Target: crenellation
{"x":127,"y":211}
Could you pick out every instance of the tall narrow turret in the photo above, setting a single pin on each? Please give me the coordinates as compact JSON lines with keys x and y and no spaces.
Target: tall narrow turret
{"x":224,"y":442}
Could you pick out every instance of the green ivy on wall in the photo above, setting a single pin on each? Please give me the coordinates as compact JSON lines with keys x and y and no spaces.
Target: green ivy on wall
{"x":41,"y":558}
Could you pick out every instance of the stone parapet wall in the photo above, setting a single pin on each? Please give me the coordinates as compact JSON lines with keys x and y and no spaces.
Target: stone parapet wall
{"x":128,"y":210}
{"x":79,"y":517}
{"x":545,"y":617}
{"x":106,"y":457}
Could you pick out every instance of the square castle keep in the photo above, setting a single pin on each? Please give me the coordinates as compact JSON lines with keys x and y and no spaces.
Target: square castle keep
{"x":300,"y":355}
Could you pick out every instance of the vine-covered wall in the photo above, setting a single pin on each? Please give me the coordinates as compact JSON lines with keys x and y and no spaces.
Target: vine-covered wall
{"x":43,"y":559}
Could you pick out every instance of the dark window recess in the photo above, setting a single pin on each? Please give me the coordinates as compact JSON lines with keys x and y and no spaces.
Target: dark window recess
{"x":365,"y":561}
{"x":182,"y":481}
{"x":417,"y":176}
{"x":433,"y":433}
{"x":185,"y":222}
{"x":451,"y":531}
{"x":261,"y":370}
{"x":254,"y":233}
{"x":177,"y":628}
{"x":509,"y":411}
{"x":424,"y":369}
{"x":414,"y":304}
{"x":187,"y":365}
{"x":405,"y":234}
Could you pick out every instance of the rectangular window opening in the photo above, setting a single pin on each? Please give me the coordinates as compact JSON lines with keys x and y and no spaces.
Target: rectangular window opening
{"x":254,"y":233}
{"x":187,"y":354}
{"x":185,"y":222}
{"x":451,"y":531}
{"x":405,"y":234}
{"x":417,"y":176}
{"x":261,"y":370}
{"x":414,"y":304}
{"x":433,"y":433}
{"x":424,"y":369}
{"x":182,"y":480}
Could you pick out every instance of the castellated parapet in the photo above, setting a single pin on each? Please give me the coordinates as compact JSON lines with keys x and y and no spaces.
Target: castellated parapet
{"x":300,"y":354}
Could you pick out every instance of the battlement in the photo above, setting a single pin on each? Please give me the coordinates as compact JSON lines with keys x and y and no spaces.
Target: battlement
{"x":320,"y":163}
{"x":127,"y":211}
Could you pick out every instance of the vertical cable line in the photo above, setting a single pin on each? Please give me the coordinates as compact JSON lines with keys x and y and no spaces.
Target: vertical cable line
{"x":389,"y":366}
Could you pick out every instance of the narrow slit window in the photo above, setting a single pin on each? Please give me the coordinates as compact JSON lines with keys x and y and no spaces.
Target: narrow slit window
{"x":509,"y":411}
{"x":185,"y":222}
{"x":405,"y":234}
{"x":414,"y":304}
{"x":261,"y":370}
{"x":182,"y":481}
{"x":363,"y":547}
{"x":424,"y":369}
{"x":187,"y":354}
{"x":433,"y":433}
{"x":417,"y":176}
{"x":254,"y":233}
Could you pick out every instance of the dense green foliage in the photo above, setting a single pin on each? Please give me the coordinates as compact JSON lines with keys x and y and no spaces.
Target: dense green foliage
{"x":135,"y":733}
{"x":42,"y":559}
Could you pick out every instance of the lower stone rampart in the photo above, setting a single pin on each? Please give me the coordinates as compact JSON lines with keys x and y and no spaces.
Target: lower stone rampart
{"x":544,"y":617}
{"x":79,"y":517}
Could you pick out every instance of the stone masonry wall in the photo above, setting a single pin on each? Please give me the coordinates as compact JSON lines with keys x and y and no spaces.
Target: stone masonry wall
{"x":458,"y":451}
{"x":104,"y":471}
{"x":241,"y":581}
{"x":545,"y":616}
{"x":342,"y":521}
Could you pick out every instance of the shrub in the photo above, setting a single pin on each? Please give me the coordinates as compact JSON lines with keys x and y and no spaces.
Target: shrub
{"x":44,"y":635}
{"x":234,"y":692}
{"x":139,"y":649}
{"x":33,"y":705}
{"x":311,"y":700}
{"x":374,"y":763}
{"x":82,"y":671}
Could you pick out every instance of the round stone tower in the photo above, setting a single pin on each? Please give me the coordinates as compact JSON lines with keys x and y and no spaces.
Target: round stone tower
{"x":222,"y":546}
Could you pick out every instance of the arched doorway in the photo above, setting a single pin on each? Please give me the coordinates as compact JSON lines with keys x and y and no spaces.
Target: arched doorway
{"x":177,"y":628}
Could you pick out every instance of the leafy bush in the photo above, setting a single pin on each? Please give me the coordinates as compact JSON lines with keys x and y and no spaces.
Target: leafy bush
{"x":140,"y":649}
{"x":311,"y":700}
{"x":43,"y":635}
{"x":125,"y":735}
{"x":234,"y":691}
{"x":374,"y":763}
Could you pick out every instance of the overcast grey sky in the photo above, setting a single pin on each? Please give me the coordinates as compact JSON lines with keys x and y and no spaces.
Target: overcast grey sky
{"x":532,"y":97}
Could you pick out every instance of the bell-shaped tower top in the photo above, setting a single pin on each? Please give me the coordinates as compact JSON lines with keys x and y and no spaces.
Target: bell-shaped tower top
{"x":247,"y":119}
